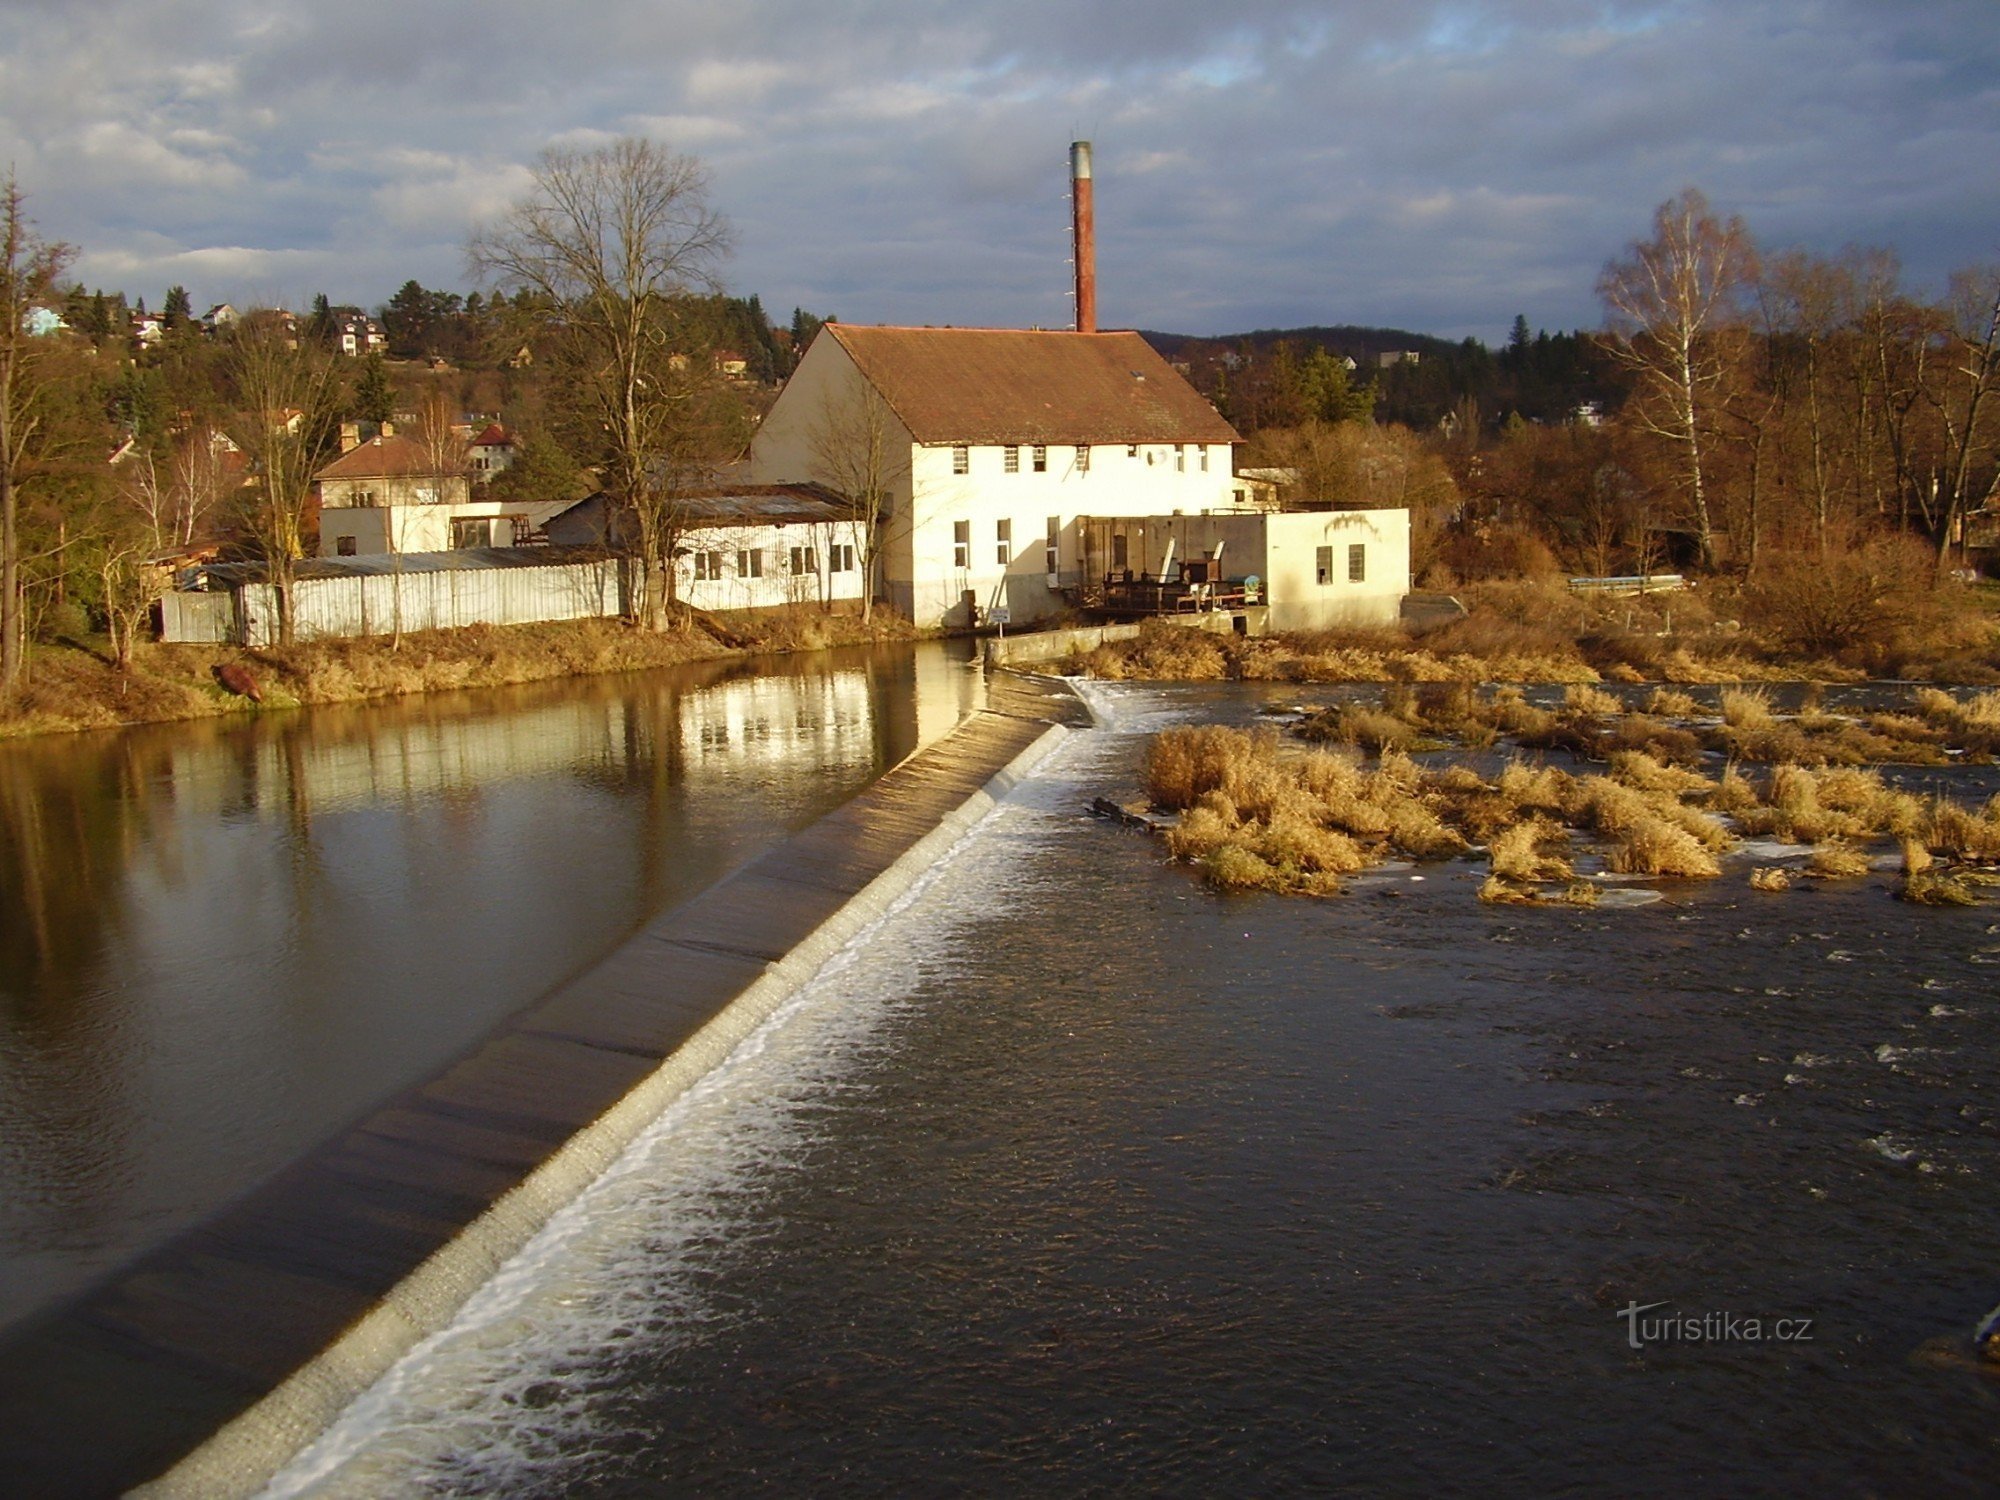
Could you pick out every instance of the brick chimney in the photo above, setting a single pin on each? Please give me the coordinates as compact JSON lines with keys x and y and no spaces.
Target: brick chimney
{"x":1083,"y":231}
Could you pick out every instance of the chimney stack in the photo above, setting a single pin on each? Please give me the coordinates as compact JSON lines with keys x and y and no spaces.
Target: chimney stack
{"x":1083,"y":228}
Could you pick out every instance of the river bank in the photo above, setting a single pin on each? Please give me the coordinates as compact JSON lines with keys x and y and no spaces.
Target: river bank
{"x":76,"y":686}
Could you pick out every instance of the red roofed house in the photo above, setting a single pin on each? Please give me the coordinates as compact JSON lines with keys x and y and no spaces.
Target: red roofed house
{"x":488,"y":452}
{"x":996,"y":441}
{"x":1023,"y":469}
{"x":388,"y":495}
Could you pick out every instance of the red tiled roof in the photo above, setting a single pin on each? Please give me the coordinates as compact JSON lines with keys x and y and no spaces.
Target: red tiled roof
{"x":1003,"y":385}
{"x":494,"y":436}
{"x":381,"y":458}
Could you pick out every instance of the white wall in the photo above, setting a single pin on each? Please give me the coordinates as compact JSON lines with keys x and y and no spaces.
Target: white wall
{"x":1284,"y":552}
{"x":734,"y":588}
{"x":415,"y":528}
{"x":1119,"y":481}
{"x":1299,"y":600}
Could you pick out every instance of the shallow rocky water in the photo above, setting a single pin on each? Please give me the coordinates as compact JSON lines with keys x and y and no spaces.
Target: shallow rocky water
{"x":1071,"y":1176}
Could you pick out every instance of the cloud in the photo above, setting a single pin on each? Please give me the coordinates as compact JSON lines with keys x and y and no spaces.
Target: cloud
{"x":1431,"y":164}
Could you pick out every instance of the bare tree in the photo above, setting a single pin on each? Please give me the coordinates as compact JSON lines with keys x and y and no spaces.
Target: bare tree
{"x":287,"y":394}
{"x":614,"y":243}
{"x":29,"y":267}
{"x":1961,"y":387}
{"x":854,"y":454}
{"x":1665,"y":304}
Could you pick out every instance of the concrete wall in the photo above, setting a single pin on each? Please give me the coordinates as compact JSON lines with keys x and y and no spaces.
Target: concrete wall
{"x":1053,"y":645}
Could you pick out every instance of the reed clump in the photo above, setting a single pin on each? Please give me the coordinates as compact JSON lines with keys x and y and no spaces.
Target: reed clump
{"x":1837,"y":861}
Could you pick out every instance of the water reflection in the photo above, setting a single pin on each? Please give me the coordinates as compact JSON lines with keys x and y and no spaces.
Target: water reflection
{"x":219,"y":941}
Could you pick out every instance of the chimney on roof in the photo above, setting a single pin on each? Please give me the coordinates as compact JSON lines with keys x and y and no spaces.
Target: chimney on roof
{"x":1083,"y":230}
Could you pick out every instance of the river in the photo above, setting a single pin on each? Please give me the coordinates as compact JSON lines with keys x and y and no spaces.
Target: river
{"x":221,"y":941}
{"x":1071,"y":1176}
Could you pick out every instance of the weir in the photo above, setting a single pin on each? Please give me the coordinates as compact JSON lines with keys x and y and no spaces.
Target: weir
{"x":205,"y":1365}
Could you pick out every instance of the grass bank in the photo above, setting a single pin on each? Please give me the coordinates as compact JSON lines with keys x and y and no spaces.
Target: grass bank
{"x":73,"y":685}
{"x":1532,"y":632}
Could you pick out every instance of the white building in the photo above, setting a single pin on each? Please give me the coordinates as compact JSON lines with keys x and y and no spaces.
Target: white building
{"x":1311,"y":569}
{"x":388,"y":495}
{"x":993,"y":442}
{"x":745,"y":546}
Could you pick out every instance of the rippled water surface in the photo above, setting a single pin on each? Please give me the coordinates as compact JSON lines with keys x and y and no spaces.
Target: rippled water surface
{"x":1073,"y":1177}
{"x":219,"y":942}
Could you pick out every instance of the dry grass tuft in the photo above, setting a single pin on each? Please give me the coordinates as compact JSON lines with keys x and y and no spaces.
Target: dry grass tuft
{"x":1770,"y":878}
{"x":1581,"y":698}
{"x":1937,"y":888}
{"x":1638,"y":769}
{"x":1747,"y":709}
{"x":1530,"y":851}
{"x":1653,"y":846}
{"x":1837,"y":861}
{"x":1182,"y":764}
{"x":1666,"y":703}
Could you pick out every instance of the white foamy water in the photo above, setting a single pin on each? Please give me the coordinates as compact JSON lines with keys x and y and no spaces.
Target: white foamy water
{"x":500,"y":1401}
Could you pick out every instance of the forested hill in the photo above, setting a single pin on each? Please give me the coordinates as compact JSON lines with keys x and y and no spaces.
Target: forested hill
{"x":1357,"y":343}
{"x":1279,"y":377}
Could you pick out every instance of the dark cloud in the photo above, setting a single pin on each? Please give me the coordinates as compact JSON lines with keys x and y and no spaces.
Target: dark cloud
{"x":1440,"y":166}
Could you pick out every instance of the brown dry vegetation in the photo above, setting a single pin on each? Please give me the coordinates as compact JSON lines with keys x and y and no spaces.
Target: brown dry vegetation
{"x":1536,"y":631}
{"x":72,"y":688}
{"x":1257,"y":812}
{"x":1592,"y":724}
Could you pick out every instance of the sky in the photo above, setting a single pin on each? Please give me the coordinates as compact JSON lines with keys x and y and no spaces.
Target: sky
{"x":1436,"y":167}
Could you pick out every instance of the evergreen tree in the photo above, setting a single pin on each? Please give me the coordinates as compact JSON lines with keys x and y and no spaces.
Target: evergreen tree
{"x":374,"y":399}
{"x":804,"y":327}
{"x":319,"y":327}
{"x":179,"y":311}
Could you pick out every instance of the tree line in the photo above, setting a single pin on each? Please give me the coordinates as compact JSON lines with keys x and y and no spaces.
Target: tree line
{"x":599,"y":342}
{"x":1739,"y":411}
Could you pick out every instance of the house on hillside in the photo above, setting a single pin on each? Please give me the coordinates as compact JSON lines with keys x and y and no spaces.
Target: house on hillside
{"x":992,"y":443}
{"x":389,"y":494}
{"x":489,"y":452}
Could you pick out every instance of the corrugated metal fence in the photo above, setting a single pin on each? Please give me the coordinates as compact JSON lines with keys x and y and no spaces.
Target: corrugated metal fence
{"x":375,"y":603}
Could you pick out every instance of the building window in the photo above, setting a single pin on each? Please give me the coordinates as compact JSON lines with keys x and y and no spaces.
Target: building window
{"x":1357,"y":563}
{"x":1010,"y":458}
{"x":804,"y":560}
{"x":1323,"y":567}
{"x":961,"y":545}
{"x":1055,"y":545}
{"x":343,"y":546}
{"x":840,"y":558}
{"x":1083,"y":458}
{"x":1003,"y":548}
{"x":1204,"y":458}
{"x":1131,"y":450}
{"x":1180,"y":457}
{"x":750,"y":563}
{"x":1121,"y":558}
{"x":707,"y":567}
{"x":1041,"y":458}
{"x":961,"y":459}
